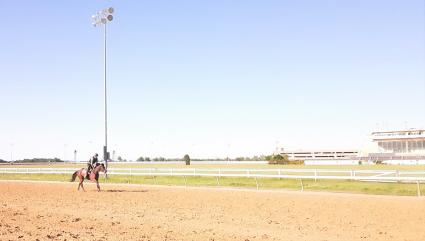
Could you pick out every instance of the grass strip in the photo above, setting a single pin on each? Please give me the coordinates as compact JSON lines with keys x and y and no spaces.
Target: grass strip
{"x":403,"y":189}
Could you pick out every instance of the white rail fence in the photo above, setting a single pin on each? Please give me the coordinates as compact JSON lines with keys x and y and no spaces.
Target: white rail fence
{"x":405,"y":176}
{"x":329,"y":174}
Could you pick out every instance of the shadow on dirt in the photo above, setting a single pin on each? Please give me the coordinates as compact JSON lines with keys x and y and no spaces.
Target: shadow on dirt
{"x":119,"y":190}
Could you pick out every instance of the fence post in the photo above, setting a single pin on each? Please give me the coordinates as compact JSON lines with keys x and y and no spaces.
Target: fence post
{"x":185,"y":181}
{"x":280,"y":173}
{"x":218,"y":181}
{"x":315,"y":175}
{"x":256,"y":182}
{"x":397,"y":174}
{"x":131,"y":173}
{"x":419,"y":189}
{"x":302,"y":185}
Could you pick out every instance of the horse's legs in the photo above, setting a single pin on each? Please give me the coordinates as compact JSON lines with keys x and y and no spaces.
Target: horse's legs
{"x":79,"y":184}
{"x":82,"y":184}
{"x":97,"y":184}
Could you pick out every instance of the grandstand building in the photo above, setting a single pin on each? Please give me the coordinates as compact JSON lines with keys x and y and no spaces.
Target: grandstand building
{"x":400,"y":143}
{"x":395,"y":147}
{"x":320,"y":154}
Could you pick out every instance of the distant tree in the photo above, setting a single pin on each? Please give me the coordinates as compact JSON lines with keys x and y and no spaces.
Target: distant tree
{"x":186,"y":159}
{"x":158,"y":159}
{"x":140,"y":159}
{"x":119,"y":158}
{"x":147,"y":159}
{"x":39,"y":160}
{"x":277,"y":159}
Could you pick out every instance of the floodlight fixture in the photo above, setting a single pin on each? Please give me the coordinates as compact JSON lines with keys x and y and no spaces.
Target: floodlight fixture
{"x":102,"y":17}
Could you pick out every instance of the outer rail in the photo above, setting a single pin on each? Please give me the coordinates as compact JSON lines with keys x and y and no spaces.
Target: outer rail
{"x":414,"y":176}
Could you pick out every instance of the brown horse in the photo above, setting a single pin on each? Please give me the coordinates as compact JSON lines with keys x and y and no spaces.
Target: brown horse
{"x":94,"y":175}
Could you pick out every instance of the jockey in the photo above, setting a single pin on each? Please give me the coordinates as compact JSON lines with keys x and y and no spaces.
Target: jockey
{"x":92,"y":162}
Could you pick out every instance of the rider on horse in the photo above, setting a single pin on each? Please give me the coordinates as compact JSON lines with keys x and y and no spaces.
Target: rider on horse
{"x":92,"y":163}
{"x":94,"y":167}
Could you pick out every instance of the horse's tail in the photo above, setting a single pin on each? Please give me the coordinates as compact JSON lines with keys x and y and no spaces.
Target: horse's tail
{"x":74,"y":176}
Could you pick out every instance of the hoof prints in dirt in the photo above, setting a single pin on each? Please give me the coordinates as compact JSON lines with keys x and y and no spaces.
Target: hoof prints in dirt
{"x":62,"y":235}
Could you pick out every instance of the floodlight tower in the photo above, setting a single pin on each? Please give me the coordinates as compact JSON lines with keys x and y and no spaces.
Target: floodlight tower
{"x":102,"y":18}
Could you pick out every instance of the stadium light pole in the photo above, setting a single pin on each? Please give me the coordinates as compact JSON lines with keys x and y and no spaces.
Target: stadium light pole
{"x":101,"y":18}
{"x":75,"y":156}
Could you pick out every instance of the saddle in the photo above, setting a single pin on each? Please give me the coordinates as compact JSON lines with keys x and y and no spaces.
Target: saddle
{"x":91,"y":170}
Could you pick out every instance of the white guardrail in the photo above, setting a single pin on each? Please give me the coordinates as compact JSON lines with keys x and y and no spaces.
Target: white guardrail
{"x":407,"y":176}
{"x":330,"y":174}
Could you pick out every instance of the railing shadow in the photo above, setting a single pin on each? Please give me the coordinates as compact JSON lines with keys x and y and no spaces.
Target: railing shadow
{"x":122,"y":190}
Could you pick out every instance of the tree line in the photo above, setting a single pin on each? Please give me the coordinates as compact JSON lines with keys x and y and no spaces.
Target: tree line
{"x":162,"y":159}
{"x":38,"y":160}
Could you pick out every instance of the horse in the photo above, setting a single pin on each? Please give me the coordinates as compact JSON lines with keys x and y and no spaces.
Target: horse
{"x":94,"y":175}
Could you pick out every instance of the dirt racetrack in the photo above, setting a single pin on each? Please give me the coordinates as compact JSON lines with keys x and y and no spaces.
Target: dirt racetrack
{"x":56,"y":211}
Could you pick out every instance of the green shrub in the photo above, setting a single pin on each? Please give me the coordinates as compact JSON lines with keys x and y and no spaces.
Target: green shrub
{"x":186,"y":159}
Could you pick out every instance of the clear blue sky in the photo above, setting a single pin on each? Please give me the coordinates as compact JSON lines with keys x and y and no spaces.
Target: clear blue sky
{"x":208,"y":78}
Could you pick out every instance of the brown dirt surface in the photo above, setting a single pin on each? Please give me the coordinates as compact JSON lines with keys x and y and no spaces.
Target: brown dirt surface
{"x":57,"y":211}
